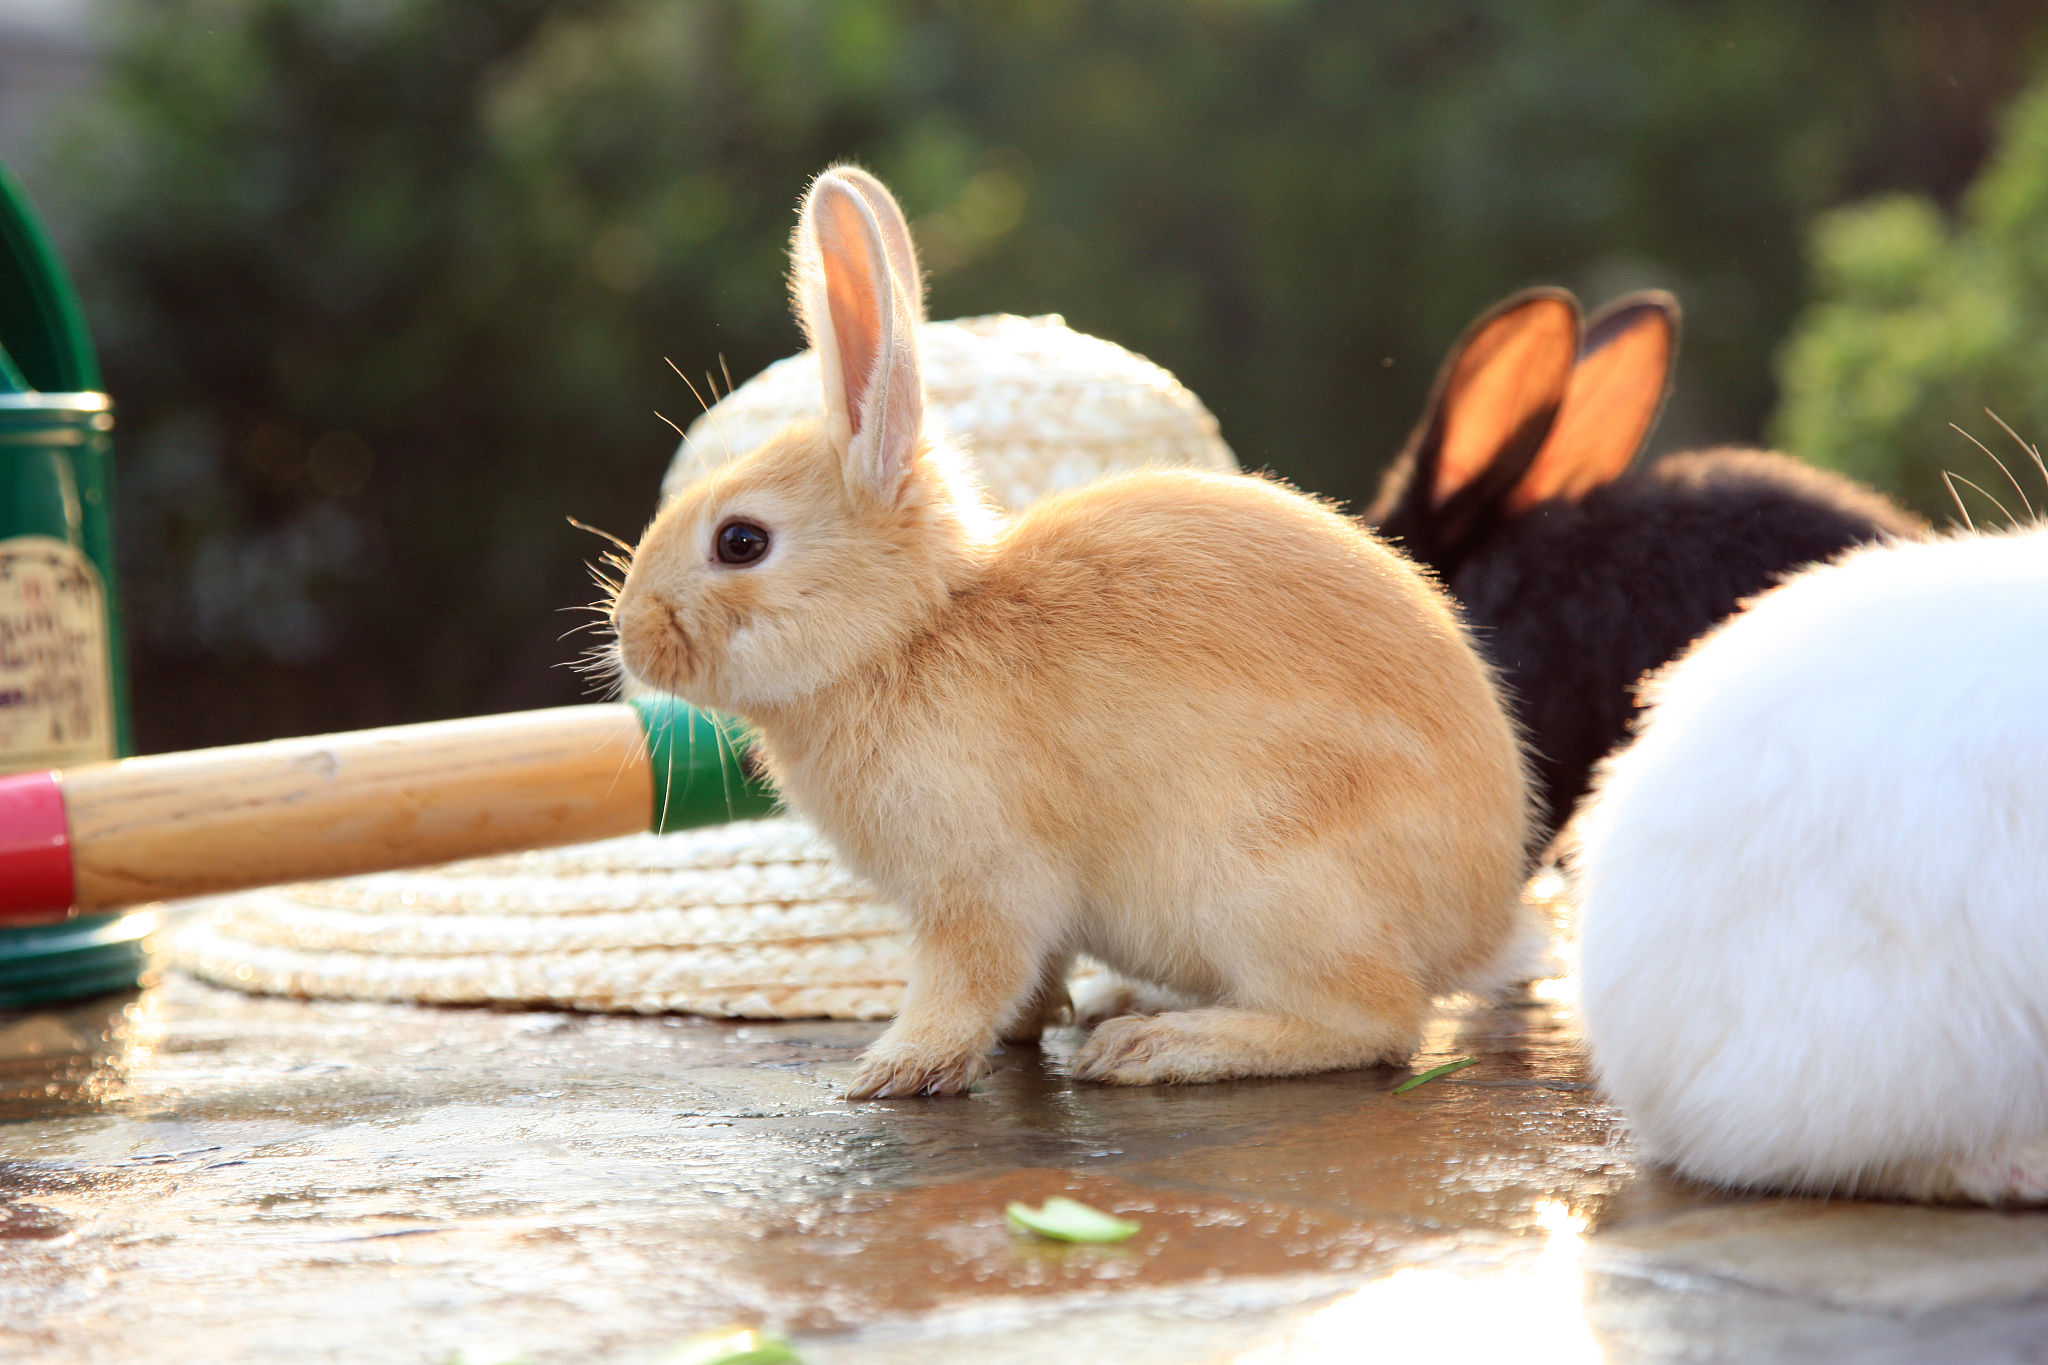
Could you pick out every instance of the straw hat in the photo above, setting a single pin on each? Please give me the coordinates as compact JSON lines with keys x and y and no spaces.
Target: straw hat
{"x":753,"y":919}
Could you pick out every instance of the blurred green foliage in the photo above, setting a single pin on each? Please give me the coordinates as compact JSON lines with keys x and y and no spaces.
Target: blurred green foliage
{"x":385,"y":287}
{"x":1921,"y":324}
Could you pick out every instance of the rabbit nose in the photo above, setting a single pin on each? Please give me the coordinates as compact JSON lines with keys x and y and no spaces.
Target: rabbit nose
{"x":653,"y":645}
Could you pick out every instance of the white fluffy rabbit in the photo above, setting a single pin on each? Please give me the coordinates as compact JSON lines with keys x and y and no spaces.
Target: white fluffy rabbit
{"x":1814,"y":892}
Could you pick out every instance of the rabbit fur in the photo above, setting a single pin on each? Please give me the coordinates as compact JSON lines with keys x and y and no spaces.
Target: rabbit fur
{"x":1811,"y":893}
{"x":1578,"y":573}
{"x":1197,"y":726}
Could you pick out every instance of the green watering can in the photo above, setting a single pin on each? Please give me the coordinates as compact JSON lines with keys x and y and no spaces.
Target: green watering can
{"x":63,"y":675}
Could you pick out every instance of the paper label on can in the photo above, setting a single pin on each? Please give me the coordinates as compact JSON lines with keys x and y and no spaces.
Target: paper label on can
{"x":56,"y":698}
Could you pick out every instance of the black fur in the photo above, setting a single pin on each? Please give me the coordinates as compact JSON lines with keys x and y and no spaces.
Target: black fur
{"x":1574,"y":604}
{"x":1574,"y":601}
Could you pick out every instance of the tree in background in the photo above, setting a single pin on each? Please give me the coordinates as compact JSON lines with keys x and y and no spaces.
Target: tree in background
{"x":385,"y":287}
{"x":1921,"y":324}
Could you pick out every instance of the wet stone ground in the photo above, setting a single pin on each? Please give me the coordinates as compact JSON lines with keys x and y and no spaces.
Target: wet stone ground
{"x":192,"y":1175}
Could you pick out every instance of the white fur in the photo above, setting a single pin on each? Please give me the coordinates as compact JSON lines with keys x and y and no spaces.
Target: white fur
{"x":1814,"y":892}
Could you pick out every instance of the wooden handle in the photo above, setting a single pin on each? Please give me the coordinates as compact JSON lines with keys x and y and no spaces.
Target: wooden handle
{"x":174,"y":825}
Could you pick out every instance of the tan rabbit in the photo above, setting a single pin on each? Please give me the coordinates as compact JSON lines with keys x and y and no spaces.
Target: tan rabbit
{"x":1195,"y":725}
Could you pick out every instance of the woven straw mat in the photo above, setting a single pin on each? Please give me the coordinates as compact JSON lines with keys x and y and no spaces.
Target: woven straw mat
{"x":752,"y":919}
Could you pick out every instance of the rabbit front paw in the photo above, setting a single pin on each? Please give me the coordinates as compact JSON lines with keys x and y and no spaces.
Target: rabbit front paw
{"x":895,"y":1072}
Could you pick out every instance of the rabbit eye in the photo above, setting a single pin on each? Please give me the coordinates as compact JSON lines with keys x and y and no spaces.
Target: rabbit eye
{"x":741,"y":542}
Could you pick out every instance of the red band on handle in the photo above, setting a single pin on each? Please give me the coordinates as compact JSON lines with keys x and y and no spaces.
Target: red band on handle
{"x":35,"y":851}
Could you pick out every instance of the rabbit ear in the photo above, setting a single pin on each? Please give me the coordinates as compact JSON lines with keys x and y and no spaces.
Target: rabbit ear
{"x":895,"y":235}
{"x":1488,"y":415}
{"x":1617,"y":389}
{"x":1502,"y":386}
{"x":855,"y":311}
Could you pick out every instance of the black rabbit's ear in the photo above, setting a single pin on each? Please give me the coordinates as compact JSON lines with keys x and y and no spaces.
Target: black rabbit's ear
{"x":1617,"y":389}
{"x":1501,"y":387}
{"x":1488,"y":415}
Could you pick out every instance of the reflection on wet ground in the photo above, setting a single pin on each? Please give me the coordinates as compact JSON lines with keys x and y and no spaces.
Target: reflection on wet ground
{"x":187,"y":1174}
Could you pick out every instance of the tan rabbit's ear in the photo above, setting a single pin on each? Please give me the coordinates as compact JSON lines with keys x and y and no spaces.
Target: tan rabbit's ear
{"x":858,"y":318}
{"x":1501,"y":388}
{"x":1617,"y":389}
{"x":895,"y":234}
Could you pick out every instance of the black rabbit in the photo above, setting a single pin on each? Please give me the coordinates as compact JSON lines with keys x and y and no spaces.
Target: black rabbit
{"x":1578,"y":573}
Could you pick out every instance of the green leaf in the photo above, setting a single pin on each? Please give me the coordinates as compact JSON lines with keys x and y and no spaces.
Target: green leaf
{"x":1446,"y":1069}
{"x":1069,"y":1220}
{"x":732,"y":1346}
